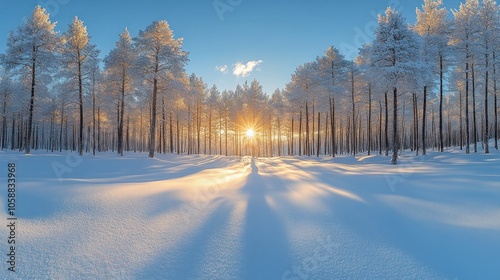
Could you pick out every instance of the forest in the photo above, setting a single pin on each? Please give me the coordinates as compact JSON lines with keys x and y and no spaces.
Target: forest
{"x":426,"y":85}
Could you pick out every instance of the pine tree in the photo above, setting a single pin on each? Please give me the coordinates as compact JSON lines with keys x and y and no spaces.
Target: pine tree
{"x":159,"y":53}
{"x":31,"y":50}
{"x":464,"y":39}
{"x":78,"y":55}
{"x":118,"y":69}
{"x":434,"y":28}
{"x":332,"y":71}
{"x":395,"y":53}
{"x":490,"y":23}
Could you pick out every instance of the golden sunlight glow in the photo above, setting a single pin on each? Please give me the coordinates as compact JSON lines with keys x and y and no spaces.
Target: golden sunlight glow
{"x":250,"y":133}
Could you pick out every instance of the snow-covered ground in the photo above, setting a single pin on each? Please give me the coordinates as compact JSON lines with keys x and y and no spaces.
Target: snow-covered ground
{"x":208,"y":217}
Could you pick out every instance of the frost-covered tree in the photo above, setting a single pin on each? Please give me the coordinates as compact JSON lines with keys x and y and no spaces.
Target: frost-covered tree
{"x":489,"y":24}
{"x":212,"y":103}
{"x":79,"y":57}
{"x":464,"y":38}
{"x":6,"y":96}
{"x":303,"y":91}
{"x":118,"y":70}
{"x":30,"y":51}
{"x":159,"y":53}
{"x":333,"y":71}
{"x":434,"y":28}
{"x":395,"y":55}
{"x":197,"y":92}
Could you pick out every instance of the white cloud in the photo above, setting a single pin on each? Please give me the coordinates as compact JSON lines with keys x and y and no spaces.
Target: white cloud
{"x":222,"y":69}
{"x":243,"y":70}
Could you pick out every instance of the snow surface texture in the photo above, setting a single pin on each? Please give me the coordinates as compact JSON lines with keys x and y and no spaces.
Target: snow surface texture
{"x":206,"y":217}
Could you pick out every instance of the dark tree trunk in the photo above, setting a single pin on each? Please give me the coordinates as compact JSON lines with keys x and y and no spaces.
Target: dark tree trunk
{"x":474,"y":118}
{"x":93,"y":117}
{"x":353,"y":115}
{"x":395,"y":142}
{"x":461,"y":123}
{"x":61,"y":128}
{"x":495,"y":99}
{"x":319,"y":136}
{"x":386,"y":132}
{"x":369,"y":119}
{"x":307,"y":144}
{"x":80,"y":96}
{"x":380,"y":128}
{"x":441,"y":148}
{"x":32,"y":101}
{"x":122,"y":115}
{"x":171,"y":133}
{"x":210,"y":132}
{"x":300,"y":133}
{"x":332,"y":124}
{"x":486,"y":120}
{"x":292,"y":148}
{"x":152,"y":133}
{"x":467,"y":135}
{"x":99,"y":145}
{"x":424,"y":123}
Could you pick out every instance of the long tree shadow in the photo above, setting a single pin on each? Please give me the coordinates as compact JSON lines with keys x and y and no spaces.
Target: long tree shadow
{"x":188,"y":260}
{"x":265,"y":247}
{"x":428,"y":241}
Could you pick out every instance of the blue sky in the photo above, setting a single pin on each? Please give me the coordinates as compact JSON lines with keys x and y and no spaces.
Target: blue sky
{"x":274,"y":36}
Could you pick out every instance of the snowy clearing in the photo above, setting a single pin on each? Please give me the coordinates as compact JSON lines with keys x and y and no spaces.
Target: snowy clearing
{"x":208,"y":217}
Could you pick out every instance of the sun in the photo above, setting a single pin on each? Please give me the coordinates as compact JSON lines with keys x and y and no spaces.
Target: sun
{"x":250,"y":133}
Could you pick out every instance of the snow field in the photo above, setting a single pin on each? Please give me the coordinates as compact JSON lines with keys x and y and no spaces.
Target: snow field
{"x":209,"y":217}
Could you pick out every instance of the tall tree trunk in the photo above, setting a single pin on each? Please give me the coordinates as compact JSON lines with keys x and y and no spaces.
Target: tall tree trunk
{"x":467,"y":135}
{"x":61,"y":130}
{"x":369,"y":119}
{"x":474,"y":118}
{"x":178,"y":134}
{"x":415,"y":123}
{"x":127,"y":135}
{"x":210,"y":132}
{"x":13,"y":133}
{"x":424,"y":123}
{"x":441,"y":148}
{"x":99,"y":148}
{"x":93,"y":117}
{"x":292,"y":148}
{"x":122,"y":115}
{"x":198,"y":128}
{"x":80,"y":95}
{"x":164,"y":126}
{"x":313,"y":125}
{"x":171,"y":132}
{"x":495,"y":99}
{"x":225,"y":131}
{"x":220,"y":132}
{"x":353,"y":115}
{"x":380,"y":128}
{"x":332,"y":124}
{"x":319,"y":133}
{"x":152,"y":133}
{"x":279,"y":137}
{"x":325,"y":140}
{"x":395,"y":141}
{"x":386,"y":126}
{"x":307,"y":144}
{"x":32,"y":101}
{"x":300,"y":133}
{"x":486,"y":92}
{"x":461,"y":123}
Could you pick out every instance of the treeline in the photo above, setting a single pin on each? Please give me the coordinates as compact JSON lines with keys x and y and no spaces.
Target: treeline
{"x":429,"y":85}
